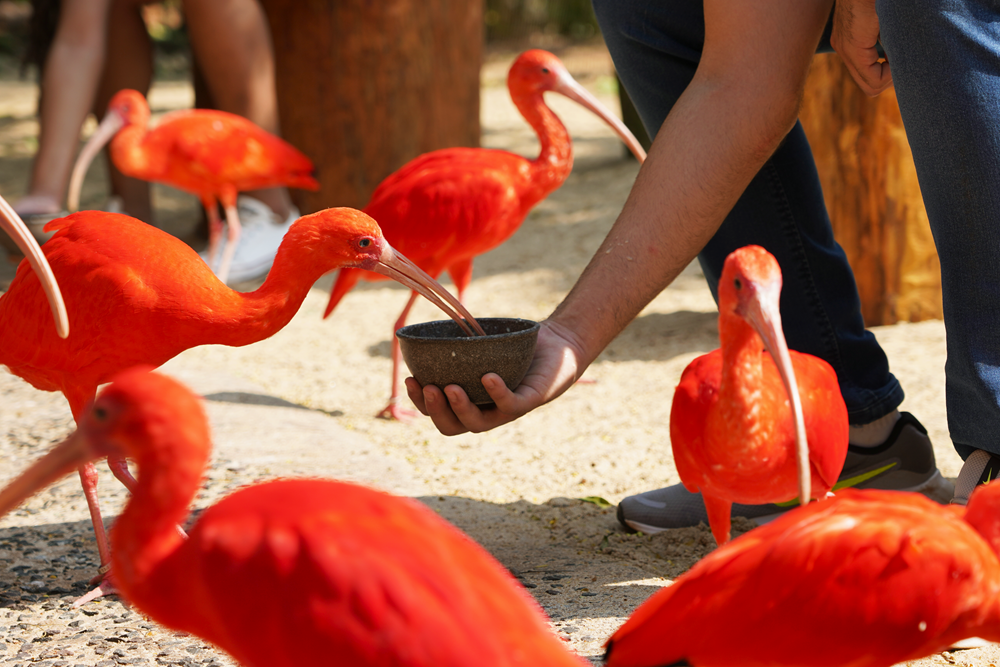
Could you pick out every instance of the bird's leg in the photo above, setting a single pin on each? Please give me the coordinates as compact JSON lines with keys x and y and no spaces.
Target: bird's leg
{"x":214,"y":230}
{"x":232,"y":238}
{"x":394,"y":410}
{"x":104,"y":580}
{"x":119,"y":468}
{"x":719,"y":516}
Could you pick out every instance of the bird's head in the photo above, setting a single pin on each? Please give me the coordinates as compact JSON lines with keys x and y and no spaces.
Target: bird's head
{"x":141,"y":415}
{"x":340,"y":237}
{"x":537,"y":71}
{"x":348,"y":238}
{"x":129,"y":106}
{"x":750,"y":286}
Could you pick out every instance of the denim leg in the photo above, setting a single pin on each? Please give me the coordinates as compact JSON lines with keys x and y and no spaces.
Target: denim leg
{"x":656,"y":47}
{"x":945,"y":60}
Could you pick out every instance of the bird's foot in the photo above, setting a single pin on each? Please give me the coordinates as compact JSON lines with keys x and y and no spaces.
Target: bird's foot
{"x":396,"y":411}
{"x":105,"y":585}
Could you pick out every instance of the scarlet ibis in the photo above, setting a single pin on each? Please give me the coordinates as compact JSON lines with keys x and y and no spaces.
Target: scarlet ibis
{"x":213,"y":154}
{"x":140,"y":296}
{"x":294,"y":571}
{"x":444,"y":208}
{"x":741,"y":417}
{"x":868,"y":578}
{"x":11,"y":223}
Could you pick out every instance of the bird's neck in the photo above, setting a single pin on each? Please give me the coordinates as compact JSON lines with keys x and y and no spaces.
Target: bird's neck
{"x":555,"y":160}
{"x":262,"y":313}
{"x":742,"y":374}
{"x":146,"y":534}
{"x":742,"y":350}
{"x":127,"y":150}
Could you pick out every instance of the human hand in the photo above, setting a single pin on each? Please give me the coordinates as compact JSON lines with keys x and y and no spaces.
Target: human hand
{"x":554,"y":369}
{"x":854,"y":37}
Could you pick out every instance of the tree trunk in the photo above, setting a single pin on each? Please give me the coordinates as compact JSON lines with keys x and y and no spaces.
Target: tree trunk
{"x":871,"y":191}
{"x":365,"y":86}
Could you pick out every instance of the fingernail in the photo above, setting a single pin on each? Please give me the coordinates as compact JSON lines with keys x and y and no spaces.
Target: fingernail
{"x":428,"y":398}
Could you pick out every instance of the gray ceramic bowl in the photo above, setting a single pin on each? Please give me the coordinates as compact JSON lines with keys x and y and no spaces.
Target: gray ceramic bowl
{"x":439,"y":353}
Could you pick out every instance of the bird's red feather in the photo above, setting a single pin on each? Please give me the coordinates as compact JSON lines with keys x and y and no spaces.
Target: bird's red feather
{"x":865,"y":579}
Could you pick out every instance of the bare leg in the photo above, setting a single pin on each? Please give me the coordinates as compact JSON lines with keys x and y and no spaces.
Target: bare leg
{"x":232,"y":43}
{"x":129,"y":64}
{"x":232,"y":238}
{"x":69,"y":78}
{"x":394,"y":410}
{"x":104,"y":580}
{"x":214,"y":229}
{"x":719,"y":517}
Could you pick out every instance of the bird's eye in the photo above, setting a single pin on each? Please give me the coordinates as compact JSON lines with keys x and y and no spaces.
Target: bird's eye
{"x":738,"y":284}
{"x":100,"y":414}
{"x":364,"y":243}
{"x":545,"y":70}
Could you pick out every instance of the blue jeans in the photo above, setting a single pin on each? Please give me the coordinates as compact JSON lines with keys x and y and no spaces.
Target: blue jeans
{"x":656,"y":47}
{"x":945,"y":60}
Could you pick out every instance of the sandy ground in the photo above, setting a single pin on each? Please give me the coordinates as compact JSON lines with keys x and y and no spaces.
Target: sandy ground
{"x":303,"y":402}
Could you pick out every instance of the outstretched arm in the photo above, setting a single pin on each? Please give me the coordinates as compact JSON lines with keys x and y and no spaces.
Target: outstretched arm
{"x":742,"y":102}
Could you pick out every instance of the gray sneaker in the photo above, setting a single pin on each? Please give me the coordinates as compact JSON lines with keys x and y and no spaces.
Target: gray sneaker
{"x":981,"y":467}
{"x":904,"y":462}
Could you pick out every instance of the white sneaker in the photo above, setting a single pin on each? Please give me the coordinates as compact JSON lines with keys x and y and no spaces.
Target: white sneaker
{"x":260,"y":237}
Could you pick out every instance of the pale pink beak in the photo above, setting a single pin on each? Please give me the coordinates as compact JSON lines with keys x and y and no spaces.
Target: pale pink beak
{"x":394,"y":265}
{"x":764,"y":315}
{"x":11,"y":223}
{"x":61,"y":460}
{"x":108,"y":128}
{"x":570,"y":88}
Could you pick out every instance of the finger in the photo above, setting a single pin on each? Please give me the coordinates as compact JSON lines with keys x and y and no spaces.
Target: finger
{"x":440,"y":412}
{"x":416,"y":394}
{"x":868,"y":69}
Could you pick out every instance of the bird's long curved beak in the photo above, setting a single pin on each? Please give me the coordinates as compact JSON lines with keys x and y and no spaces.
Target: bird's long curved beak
{"x":11,"y":223}
{"x":394,"y":265}
{"x":108,"y":128}
{"x":569,"y":87}
{"x":765,"y":317}
{"x":61,"y":460}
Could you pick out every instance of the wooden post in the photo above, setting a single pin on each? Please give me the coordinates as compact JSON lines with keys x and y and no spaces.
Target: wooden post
{"x":365,"y":86}
{"x":871,"y":191}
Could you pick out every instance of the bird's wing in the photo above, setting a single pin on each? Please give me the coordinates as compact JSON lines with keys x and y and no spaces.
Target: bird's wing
{"x":695,"y":393}
{"x":456,"y":202}
{"x":217,"y":146}
{"x":825,"y":414}
{"x":867,"y":578}
{"x":302,"y":568}
{"x":112,"y":270}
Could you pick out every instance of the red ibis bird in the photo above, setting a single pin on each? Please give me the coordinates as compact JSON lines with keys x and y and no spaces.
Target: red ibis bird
{"x":294,"y":571}
{"x":141,"y":296}
{"x":212,"y":154}
{"x":11,"y":223}
{"x":868,"y":578}
{"x":444,"y":208}
{"x":741,"y":417}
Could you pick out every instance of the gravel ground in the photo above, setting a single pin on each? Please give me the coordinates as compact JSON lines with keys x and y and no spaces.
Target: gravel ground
{"x":303,"y":402}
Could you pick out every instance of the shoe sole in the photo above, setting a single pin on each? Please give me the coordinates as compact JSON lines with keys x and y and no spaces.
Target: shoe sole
{"x":936,"y":488}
